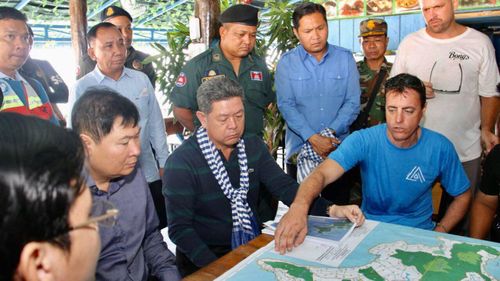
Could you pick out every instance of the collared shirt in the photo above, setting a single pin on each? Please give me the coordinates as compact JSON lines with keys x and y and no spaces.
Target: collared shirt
{"x":366,"y":76}
{"x":253,"y":77}
{"x":135,"y":86}
{"x":199,"y":214}
{"x":133,"y":248}
{"x":23,"y":97}
{"x":316,"y":95}
{"x":133,"y":61}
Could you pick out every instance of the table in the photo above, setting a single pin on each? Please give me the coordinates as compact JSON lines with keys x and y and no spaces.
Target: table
{"x":223,"y":264}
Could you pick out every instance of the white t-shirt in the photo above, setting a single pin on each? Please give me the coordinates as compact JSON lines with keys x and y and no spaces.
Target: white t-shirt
{"x":466,"y":63}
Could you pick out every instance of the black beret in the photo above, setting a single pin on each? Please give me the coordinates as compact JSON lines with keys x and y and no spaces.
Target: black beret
{"x":114,"y":11}
{"x":244,"y":14}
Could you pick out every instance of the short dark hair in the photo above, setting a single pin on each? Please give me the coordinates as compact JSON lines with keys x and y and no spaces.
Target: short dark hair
{"x":92,"y":34}
{"x":7,"y":13}
{"x":305,"y":9}
{"x":40,"y":176}
{"x":95,"y":112}
{"x":403,"y":81}
{"x":217,"y":89}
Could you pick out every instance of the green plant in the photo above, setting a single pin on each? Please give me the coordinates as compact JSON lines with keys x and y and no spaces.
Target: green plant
{"x":170,"y":59}
{"x":278,"y":38}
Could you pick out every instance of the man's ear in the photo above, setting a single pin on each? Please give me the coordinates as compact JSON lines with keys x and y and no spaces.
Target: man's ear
{"x":36,"y":262}
{"x":91,"y":53}
{"x":296,"y":32}
{"x":203,"y":118}
{"x":88,"y":143}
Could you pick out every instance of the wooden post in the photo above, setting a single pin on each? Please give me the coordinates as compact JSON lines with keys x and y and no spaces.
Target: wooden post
{"x":208,"y":12}
{"x":78,"y":20}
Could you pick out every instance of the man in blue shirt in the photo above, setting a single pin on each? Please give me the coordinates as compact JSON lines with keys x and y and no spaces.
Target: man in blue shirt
{"x":399,"y":163}
{"x":133,"y":248}
{"x":107,"y":48}
{"x":318,"y":90}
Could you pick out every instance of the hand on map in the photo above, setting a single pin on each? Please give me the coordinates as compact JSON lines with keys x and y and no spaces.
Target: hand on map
{"x":352,"y":212}
{"x":292,"y":229}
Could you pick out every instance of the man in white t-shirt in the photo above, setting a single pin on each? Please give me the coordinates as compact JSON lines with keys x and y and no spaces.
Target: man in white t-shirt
{"x":460,"y":72}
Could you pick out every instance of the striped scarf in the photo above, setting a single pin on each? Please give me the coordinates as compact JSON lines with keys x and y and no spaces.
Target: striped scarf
{"x":308,"y":159}
{"x":244,"y":223}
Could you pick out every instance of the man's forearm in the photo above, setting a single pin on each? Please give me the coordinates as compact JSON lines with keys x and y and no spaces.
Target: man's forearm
{"x":489,"y":112}
{"x":185,"y":116}
{"x":311,"y":187}
{"x":456,"y":211}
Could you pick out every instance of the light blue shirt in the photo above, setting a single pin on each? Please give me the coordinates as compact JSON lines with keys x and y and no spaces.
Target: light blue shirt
{"x":136,"y":86}
{"x":397,"y":182}
{"x":316,"y":95}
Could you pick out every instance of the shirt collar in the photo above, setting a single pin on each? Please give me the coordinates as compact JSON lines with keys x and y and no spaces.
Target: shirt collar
{"x":114,"y":185}
{"x":18,"y":76}
{"x":101,"y":76}
{"x":304,"y":54}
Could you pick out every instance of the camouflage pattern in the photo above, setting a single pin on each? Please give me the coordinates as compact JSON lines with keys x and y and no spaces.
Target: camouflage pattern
{"x":370,"y":27}
{"x":366,"y":75}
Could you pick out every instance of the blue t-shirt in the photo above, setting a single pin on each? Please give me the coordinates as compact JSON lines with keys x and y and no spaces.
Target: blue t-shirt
{"x":397,"y":182}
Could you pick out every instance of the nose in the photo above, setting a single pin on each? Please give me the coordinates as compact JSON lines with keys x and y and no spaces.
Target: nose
{"x":399,"y":116}
{"x":135,"y":147}
{"x":22,"y":42}
{"x":232,"y":124}
{"x":246,"y":39}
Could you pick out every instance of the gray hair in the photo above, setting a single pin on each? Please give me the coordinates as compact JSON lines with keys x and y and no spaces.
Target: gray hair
{"x":217,"y":89}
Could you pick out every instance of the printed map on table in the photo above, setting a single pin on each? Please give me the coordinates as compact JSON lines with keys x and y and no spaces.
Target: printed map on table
{"x":324,"y":228}
{"x":377,"y":251}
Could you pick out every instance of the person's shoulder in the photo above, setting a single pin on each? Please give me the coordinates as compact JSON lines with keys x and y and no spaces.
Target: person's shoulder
{"x":471,"y":33}
{"x":136,"y":74}
{"x":290,"y":54}
{"x":200,"y":58}
{"x":185,"y":153}
{"x":140,"y":55}
{"x":339,"y":49}
{"x":437,"y":138}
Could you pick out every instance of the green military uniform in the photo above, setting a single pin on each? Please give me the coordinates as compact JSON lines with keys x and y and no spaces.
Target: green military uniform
{"x":366,"y":77}
{"x":253,"y":77}
{"x":134,"y":61}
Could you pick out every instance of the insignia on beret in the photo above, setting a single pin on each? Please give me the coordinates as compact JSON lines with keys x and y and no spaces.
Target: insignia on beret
{"x":370,"y":27}
{"x":109,"y":12}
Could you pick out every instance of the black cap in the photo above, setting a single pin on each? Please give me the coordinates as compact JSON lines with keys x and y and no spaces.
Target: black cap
{"x":244,"y":14}
{"x":114,"y":11}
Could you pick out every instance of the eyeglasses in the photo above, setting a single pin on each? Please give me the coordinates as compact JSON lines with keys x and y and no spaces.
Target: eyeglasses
{"x":104,"y":213}
{"x":441,"y":71}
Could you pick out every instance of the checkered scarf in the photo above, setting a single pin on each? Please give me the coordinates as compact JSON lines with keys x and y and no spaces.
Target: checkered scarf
{"x":308,"y":159}
{"x":244,"y":223}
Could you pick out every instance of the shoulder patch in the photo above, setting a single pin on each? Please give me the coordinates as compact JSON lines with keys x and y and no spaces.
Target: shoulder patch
{"x":137,"y":64}
{"x":256,"y":75}
{"x":181,"y":80}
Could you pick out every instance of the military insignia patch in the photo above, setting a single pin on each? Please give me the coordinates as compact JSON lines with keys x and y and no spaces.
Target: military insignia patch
{"x":256,"y":75}
{"x":181,"y":80}
{"x":109,"y":12}
{"x":211,"y":74}
{"x":137,"y":64}
{"x":216,"y":57}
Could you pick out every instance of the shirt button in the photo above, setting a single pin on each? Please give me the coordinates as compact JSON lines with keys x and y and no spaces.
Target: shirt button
{"x":321,"y":109}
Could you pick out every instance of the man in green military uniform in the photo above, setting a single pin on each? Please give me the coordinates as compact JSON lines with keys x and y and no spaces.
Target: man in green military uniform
{"x":233,"y":58}
{"x":374,"y":41}
{"x":123,"y":20}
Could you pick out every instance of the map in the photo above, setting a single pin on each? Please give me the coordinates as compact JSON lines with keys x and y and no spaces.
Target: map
{"x":377,"y":251}
{"x":324,"y":228}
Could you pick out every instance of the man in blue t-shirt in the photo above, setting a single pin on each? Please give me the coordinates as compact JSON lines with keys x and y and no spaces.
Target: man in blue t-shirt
{"x":399,"y":161}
